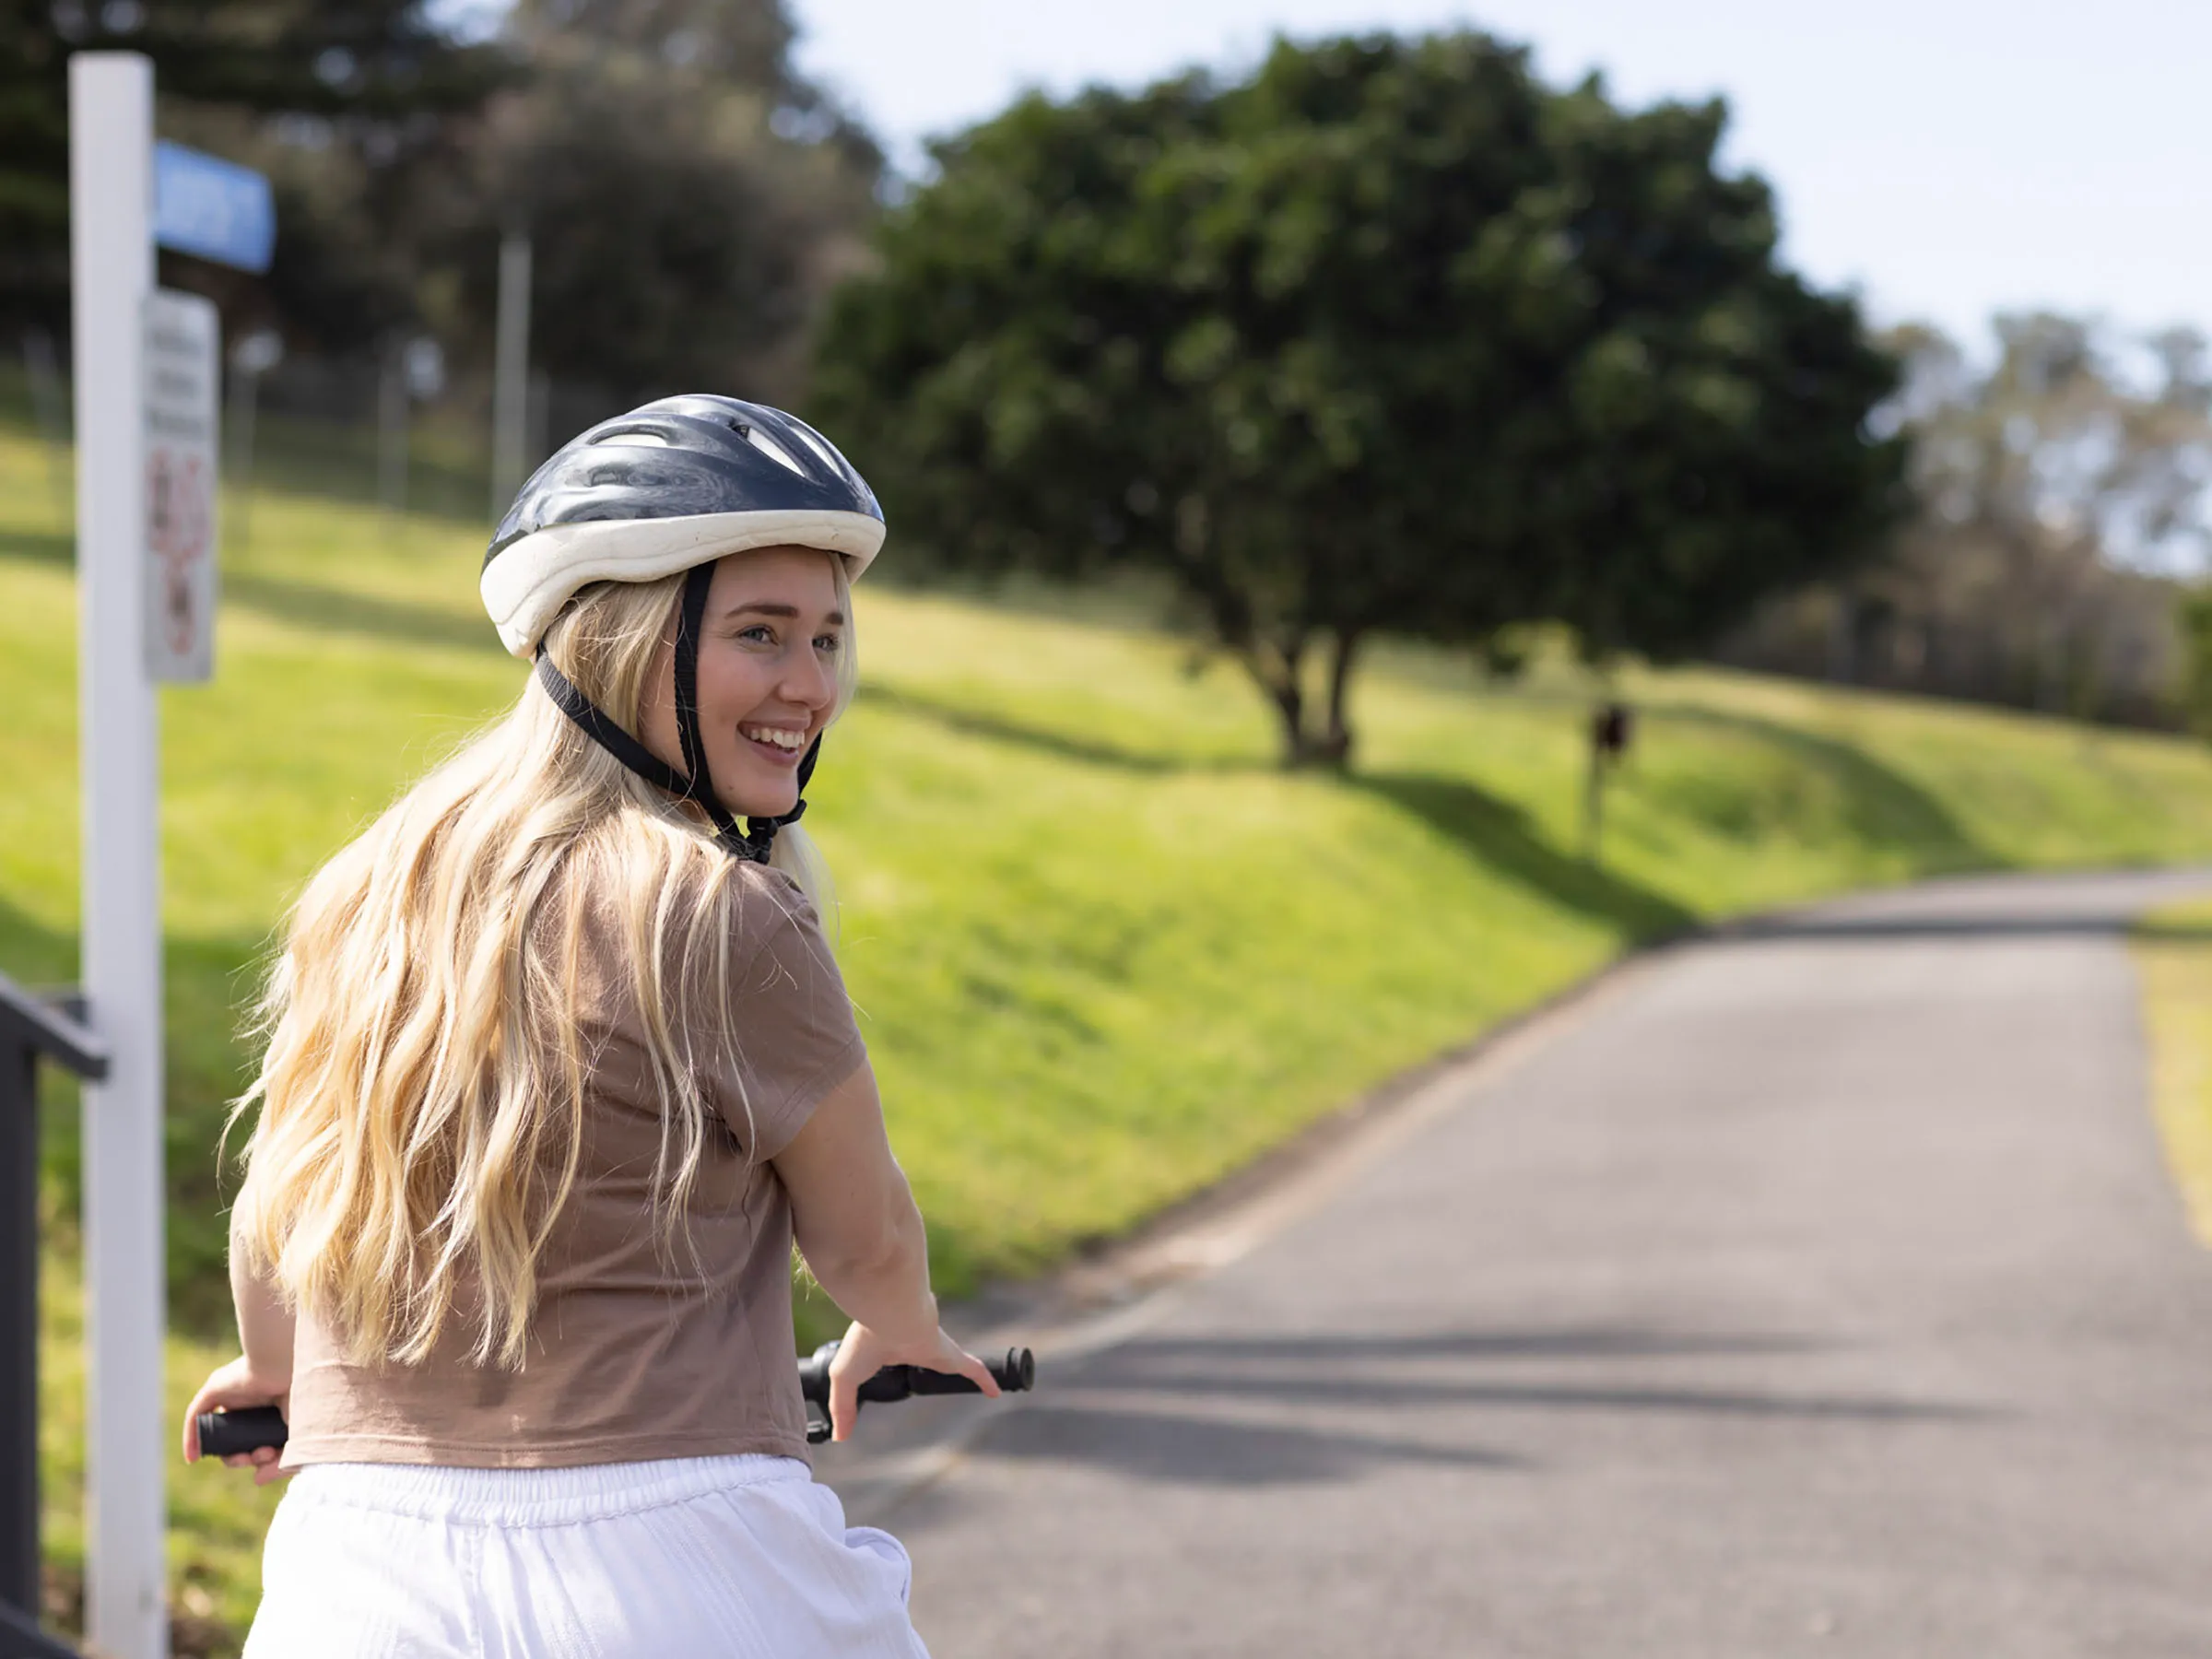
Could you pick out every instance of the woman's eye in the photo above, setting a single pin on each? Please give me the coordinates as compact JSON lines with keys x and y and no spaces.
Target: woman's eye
{"x":760,"y":631}
{"x":827,"y":642}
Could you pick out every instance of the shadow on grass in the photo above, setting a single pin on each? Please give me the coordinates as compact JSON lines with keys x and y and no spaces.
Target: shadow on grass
{"x":56,"y":547}
{"x":1044,"y":740}
{"x":1492,"y":830}
{"x":1497,"y":833}
{"x":1884,"y":807}
{"x":324,"y":611}
{"x":327,"y":610}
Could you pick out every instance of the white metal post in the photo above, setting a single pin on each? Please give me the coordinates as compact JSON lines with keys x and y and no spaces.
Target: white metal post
{"x":112,"y":270}
{"x":510,"y":371}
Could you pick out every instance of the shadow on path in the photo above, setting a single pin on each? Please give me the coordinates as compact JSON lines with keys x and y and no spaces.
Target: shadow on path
{"x":1185,"y":1450}
{"x":1162,"y":1409}
{"x":2024,"y":926}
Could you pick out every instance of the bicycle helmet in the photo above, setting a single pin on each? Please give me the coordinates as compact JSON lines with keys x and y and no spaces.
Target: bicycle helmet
{"x":672,"y":486}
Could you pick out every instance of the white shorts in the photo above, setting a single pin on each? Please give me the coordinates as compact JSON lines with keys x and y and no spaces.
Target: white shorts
{"x":746,"y":1558}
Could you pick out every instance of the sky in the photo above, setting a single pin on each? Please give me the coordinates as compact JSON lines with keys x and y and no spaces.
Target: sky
{"x":1949,"y":158}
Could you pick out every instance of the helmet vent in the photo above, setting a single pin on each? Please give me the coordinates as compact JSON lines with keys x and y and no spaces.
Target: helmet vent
{"x":816,"y":444}
{"x":634,"y":439}
{"x":774,"y":451}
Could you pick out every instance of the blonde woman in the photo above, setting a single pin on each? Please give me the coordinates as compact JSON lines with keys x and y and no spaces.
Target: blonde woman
{"x":557,"y":1066}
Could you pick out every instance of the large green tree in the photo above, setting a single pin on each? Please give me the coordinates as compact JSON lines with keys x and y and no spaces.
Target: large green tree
{"x":1387,"y":336}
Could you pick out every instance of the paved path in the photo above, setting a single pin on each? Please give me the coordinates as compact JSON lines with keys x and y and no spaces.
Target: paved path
{"x":1819,"y":1291}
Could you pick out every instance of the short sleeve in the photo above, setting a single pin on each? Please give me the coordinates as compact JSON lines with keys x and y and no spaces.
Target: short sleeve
{"x":796,"y":1034}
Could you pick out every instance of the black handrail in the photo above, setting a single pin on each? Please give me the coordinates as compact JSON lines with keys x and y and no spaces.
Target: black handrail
{"x":32,"y":1028}
{"x":21,"y":1637}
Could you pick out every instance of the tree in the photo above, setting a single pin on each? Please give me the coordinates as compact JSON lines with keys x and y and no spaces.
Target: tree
{"x":688,"y":195}
{"x":1712,"y":447}
{"x":368,"y":77}
{"x":2059,"y":485}
{"x":1387,"y":338}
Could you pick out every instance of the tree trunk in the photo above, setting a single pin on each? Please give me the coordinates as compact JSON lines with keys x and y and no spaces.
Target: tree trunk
{"x":1333,"y":748}
{"x":1277,"y":667}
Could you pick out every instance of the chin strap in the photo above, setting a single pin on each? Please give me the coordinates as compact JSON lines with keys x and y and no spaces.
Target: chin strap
{"x":695,"y":783}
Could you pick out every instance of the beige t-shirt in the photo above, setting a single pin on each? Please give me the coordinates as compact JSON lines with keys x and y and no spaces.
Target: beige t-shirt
{"x":631,"y":1356}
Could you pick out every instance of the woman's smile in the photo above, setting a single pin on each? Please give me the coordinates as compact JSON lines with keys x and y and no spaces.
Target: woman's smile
{"x":780,"y":745}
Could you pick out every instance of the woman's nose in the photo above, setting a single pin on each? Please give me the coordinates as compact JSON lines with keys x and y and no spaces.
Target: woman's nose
{"x":808,"y":681}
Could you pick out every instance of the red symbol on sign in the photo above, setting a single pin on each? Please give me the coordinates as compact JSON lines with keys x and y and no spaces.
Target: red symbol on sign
{"x":180,"y":529}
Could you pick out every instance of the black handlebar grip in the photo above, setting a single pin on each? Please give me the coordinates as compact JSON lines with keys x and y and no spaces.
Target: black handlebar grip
{"x":228,"y":1433}
{"x":1017,"y":1373}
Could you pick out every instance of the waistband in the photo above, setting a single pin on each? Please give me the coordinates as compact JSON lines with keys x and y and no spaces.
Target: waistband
{"x":537,"y":1497}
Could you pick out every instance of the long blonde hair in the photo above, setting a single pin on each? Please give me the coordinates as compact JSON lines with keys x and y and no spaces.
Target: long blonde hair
{"x":420,"y":1094}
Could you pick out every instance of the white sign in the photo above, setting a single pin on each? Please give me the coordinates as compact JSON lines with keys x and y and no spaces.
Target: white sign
{"x":182,"y":381}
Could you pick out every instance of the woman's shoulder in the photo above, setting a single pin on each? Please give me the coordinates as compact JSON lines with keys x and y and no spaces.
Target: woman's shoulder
{"x":766,"y":906}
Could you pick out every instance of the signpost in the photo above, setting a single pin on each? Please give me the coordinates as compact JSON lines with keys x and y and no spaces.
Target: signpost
{"x":146,"y":379}
{"x":212,"y":207}
{"x":111,"y":273}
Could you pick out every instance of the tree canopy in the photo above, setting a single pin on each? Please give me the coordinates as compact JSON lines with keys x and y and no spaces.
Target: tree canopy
{"x":1388,"y":337}
{"x":690,"y":194}
{"x":374,"y":73}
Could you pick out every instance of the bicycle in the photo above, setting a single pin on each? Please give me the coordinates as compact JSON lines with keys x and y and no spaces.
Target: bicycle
{"x":231,"y":1433}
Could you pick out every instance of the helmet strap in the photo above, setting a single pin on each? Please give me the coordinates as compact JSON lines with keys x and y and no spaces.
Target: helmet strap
{"x":695,"y":782}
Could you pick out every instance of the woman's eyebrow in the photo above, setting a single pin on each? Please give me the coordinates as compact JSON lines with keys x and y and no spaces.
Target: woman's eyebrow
{"x":761,"y":607}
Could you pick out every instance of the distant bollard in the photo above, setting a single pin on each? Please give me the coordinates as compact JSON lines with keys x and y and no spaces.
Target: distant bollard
{"x":1612,"y":730}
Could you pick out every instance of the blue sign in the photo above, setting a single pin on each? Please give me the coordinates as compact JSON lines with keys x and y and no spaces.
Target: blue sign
{"x":214,"y":208}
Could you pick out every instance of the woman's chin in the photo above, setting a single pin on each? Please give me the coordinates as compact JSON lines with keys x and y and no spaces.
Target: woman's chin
{"x":759,"y":803}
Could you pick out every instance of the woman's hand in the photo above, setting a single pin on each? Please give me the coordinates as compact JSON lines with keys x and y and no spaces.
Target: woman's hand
{"x":863,"y":1352}
{"x":233,"y":1387}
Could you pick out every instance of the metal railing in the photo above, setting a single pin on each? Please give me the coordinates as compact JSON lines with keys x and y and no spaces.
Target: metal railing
{"x":33,"y":1028}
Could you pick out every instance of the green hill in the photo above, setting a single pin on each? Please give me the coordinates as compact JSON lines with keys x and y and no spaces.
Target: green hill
{"x":1105,"y":951}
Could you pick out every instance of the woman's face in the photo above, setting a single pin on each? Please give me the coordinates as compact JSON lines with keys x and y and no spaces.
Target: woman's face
{"x":767,"y":658}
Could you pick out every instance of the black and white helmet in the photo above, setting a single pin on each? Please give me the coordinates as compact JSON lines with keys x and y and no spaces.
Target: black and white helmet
{"x":665,"y":488}
{"x":672,"y":487}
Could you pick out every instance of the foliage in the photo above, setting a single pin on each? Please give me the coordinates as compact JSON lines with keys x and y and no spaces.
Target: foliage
{"x":1711,"y":446}
{"x":2061,"y":488}
{"x":372,"y":78}
{"x":688,"y":196}
{"x":1387,"y":338}
{"x":2193,"y":614}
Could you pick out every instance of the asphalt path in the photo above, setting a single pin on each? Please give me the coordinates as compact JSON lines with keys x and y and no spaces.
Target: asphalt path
{"x":1817,"y":1289}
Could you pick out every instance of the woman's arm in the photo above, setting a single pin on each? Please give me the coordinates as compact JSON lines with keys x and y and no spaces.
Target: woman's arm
{"x":855,"y":1219}
{"x":260,"y":1375}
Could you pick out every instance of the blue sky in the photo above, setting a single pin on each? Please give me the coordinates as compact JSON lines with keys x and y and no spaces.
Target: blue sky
{"x":1950,"y":158}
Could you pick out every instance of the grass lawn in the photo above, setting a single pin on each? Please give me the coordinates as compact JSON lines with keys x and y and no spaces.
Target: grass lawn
{"x":2174,"y":953}
{"x":1104,"y":950}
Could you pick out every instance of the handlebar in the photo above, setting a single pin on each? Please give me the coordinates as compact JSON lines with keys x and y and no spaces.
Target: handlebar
{"x":1017,"y":1373}
{"x":230,"y":1433}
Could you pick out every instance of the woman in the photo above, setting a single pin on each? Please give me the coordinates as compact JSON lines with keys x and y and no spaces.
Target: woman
{"x":558,"y":1066}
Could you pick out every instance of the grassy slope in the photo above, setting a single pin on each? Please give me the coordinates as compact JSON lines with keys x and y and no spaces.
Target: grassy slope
{"x":1104,"y":950}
